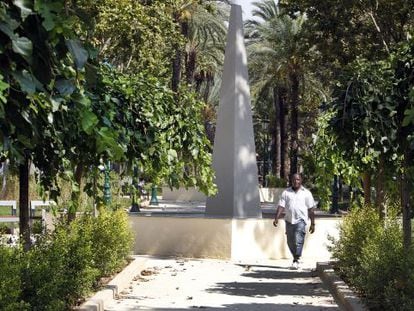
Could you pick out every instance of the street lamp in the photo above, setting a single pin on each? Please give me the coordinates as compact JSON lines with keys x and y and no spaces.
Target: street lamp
{"x":335,"y":195}
{"x":107,"y":184}
{"x":135,"y":208}
{"x":154,"y":199}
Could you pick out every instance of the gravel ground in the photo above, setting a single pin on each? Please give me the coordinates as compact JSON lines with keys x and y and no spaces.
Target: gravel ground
{"x":182,"y":284}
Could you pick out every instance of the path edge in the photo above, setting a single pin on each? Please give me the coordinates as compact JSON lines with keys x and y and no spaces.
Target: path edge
{"x":346,"y":298}
{"x":121,"y":281}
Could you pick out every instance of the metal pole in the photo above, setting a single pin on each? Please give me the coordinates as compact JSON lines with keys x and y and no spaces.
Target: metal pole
{"x":135,"y":207}
{"x":335,"y":207}
{"x":107,"y":185}
{"x":154,"y":199}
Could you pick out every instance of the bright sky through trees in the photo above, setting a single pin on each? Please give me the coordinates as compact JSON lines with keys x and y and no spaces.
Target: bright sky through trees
{"x":246,"y":6}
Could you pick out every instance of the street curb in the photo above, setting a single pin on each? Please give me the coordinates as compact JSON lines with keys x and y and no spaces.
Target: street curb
{"x":121,"y":281}
{"x":344,"y":296}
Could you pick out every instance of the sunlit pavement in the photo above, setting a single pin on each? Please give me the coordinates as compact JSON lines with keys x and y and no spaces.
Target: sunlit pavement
{"x":182,"y":284}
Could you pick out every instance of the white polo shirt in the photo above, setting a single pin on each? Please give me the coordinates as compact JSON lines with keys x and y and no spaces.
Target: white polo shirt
{"x":296,"y":204}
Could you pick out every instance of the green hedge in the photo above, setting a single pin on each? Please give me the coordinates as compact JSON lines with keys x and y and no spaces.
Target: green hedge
{"x":66,"y":265}
{"x":371,"y":258}
{"x":10,"y":281}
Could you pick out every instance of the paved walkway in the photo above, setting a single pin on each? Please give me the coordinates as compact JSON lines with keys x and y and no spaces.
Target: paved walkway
{"x":182,"y":284}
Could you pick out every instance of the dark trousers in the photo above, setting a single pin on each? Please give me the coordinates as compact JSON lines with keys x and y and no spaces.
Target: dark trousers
{"x":295,"y":237}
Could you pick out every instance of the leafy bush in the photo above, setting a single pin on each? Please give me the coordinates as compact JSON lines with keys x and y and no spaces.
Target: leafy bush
{"x":357,"y":229}
{"x":10,"y":281}
{"x":64,"y":266}
{"x":275,"y":182}
{"x":111,"y":241}
{"x":60,"y":270}
{"x":371,"y":258}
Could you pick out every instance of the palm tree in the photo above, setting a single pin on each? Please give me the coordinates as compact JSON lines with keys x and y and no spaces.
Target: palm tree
{"x":203,"y":28}
{"x":278,"y":73}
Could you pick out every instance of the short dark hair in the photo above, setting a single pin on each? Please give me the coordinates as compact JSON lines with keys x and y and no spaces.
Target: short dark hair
{"x":296,"y":174}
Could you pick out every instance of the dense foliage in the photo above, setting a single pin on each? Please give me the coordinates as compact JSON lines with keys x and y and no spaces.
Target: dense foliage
{"x":65,"y":265}
{"x":371,"y":258}
{"x":66,"y":107}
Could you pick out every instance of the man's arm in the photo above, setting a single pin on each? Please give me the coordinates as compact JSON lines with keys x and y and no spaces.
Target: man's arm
{"x":311,"y":213}
{"x":279,"y":212}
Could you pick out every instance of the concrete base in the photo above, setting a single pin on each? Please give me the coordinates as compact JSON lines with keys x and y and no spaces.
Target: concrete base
{"x":182,"y":194}
{"x":193,"y":194}
{"x":225,"y":238}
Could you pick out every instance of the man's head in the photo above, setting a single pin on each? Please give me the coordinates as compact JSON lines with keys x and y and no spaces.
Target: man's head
{"x":296,"y":181}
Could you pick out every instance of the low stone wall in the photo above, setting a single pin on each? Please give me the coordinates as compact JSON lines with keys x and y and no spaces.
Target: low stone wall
{"x":182,"y":194}
{"x":193,"y":194}
{"x":224,"y":238}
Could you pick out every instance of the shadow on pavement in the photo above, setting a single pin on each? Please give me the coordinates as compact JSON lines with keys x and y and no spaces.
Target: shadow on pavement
{"x":278,"y":274}
{"x":246,"y":307}
{"x":271,"y":289}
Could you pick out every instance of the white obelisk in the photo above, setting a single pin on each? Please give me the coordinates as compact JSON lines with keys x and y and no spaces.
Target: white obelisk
{"x":234,"y":153}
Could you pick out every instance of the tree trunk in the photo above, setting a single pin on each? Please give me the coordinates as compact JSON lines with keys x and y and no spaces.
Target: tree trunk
{"x":405,"y":201}
{"x":380,"y":193}
{"x":366,"y":182}
{"x":276,"y":135}
{"x":209,"y":82}
{"x":284,"y":138}
{"x":75,"y":196}
{"x":176,"y":70}
{"x":24,"y":208}
{"x":294,"y":123}
{"x":190,"y":67}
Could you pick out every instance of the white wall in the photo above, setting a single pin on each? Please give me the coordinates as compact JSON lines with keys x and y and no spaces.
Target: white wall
{"x":224,"y":238}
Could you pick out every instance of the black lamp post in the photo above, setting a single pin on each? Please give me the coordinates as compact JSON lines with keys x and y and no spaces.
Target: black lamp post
{"x":335,"y":195}
{"x":107,"y":184}
{"x":135,"y":192}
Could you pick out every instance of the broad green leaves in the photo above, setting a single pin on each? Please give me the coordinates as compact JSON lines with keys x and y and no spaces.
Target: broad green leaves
{"x":89,"y":121}
{"x":165,"y":139}
{"x":79,"y":54}
{"x":49,"y":11}
{"x":23,"y":46}
{"x":28,"y":83}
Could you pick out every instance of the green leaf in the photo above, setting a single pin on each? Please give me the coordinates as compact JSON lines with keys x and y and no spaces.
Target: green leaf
{"x":6,"y":29}
{"x":24,"y":6}
{"x":55,"y":104}
{"x":26,"y":141}
{"x":172,"y":154}
{"x":24,"y":47}
{"x":8,"y":24}
{"x":89,"y":121}
{"x":48,"y":11}
{"x":79,"y":54}
{"x":65,"y":87}
{"x":3,"y":86}
{"x":26,"y":81}
{"x":108,"y":142}
{"x":409,"y":117}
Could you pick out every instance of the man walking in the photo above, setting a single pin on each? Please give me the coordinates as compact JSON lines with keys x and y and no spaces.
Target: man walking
{"x":298,"y":205}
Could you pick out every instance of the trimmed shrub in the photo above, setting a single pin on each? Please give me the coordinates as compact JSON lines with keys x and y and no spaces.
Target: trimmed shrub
{"x":60,"y":270}
{"x":10,"y":281}
{"x":371,"y":258}
{"x":64,"y":266}
{"x":111,"y":241}
{"x":357,"y":229}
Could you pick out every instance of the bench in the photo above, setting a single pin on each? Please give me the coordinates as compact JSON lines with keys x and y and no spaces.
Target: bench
{"x":12,"y":204}
{"x":37,"y":203}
